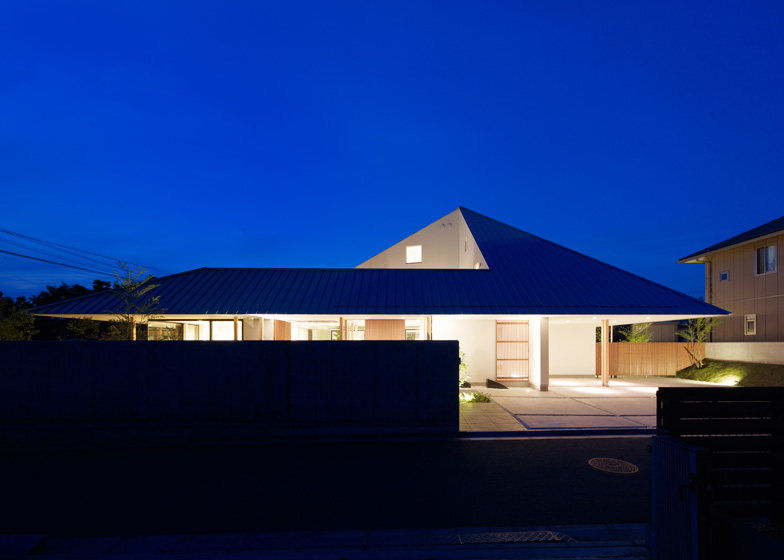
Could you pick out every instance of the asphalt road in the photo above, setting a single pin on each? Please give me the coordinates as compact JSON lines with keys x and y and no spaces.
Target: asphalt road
{"x":322,"y":486}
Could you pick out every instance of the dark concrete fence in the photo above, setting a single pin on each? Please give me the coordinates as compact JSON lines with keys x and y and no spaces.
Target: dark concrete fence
{"x":281,"y":386}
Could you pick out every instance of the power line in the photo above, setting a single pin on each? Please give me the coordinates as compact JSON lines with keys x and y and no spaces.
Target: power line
{"x":70,"y":249}
{"x":55,"y":262}
{"x":44,"y":252}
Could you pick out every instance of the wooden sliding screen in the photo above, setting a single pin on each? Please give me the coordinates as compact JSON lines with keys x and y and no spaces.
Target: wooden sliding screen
{"x":511,"y":350}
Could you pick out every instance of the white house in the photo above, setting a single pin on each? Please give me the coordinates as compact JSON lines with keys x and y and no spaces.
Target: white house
{"x":522,"y":307}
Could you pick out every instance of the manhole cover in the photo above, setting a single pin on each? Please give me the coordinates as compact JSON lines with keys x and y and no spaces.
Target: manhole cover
{"x":514,"y":537}
{"x":609,"y":464}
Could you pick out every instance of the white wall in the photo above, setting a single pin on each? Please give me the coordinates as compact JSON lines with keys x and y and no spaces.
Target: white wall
{"x":477,"y":341}
{"x":267,"y":329}
{"x":251,"y":329}
{"x":446,"y":243}
{"x":572,"y":349}
{"x":762,"y":352}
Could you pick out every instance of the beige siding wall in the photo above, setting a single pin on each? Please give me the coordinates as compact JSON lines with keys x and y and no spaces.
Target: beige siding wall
{"x":747,"y":293}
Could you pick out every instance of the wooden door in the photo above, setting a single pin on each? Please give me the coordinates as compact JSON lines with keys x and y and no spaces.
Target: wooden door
{"x":511,"y":350}
{"x":385,"y":329}
{"x":282,"y":330}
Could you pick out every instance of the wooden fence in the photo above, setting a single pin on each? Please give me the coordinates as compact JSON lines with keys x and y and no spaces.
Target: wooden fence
{"x":646,"y":358}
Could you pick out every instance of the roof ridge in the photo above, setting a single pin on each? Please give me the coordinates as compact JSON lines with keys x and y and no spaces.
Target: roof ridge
{"x":576,"y":253}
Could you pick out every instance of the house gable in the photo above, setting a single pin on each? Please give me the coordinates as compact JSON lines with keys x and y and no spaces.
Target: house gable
{"x":446,"y":243}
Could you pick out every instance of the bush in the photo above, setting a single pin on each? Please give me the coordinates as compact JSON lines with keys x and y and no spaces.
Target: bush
{"x":474,"y":397}
{"x":742,"y":374}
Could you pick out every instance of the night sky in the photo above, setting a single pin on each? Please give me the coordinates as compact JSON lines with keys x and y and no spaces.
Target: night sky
{"x":286,"y":134}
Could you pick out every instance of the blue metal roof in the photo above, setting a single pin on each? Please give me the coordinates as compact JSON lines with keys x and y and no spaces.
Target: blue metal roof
{"x":527,"y":275}
{"x":773,"y":226}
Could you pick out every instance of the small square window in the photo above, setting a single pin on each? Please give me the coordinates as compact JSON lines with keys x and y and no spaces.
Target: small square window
{"x":413,"y":254}
{"x":766,"y":259}
{"x":751,"y":325}
{"x":724,"y":275}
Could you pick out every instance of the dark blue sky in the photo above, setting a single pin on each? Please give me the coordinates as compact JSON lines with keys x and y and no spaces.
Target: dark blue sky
{"x":188,"y":134}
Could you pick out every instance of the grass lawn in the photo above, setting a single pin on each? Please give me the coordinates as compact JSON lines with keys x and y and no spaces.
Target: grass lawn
{"x":744,"y":374}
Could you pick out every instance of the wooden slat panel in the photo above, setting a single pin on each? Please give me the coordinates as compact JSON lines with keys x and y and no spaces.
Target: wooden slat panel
{"x":645,"y":359}
{"x":512,"y":350}
{"x":385,"y":329}
{"x":512,"y":369}
{"x":508,"y":331}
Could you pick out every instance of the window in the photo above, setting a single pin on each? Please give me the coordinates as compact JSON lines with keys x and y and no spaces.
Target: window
{"x":224,"y":330}
{"x":413,"y":254}
{"x":465,"y":245}
{"x":766,"y":259}
{"x":724,"y":275}
{"x":751,"y":325}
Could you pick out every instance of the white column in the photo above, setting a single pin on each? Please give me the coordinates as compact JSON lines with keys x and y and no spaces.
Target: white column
{"x":539,"y":353}
{"x":267,"y":329}
{"x":544,"y":354}
{"x":605,"y":353}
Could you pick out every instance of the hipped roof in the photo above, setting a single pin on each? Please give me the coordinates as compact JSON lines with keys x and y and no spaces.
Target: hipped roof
{"x":527,"y":275}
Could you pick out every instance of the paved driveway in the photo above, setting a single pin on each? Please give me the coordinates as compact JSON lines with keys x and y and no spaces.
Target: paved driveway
{"x":582,"y":403}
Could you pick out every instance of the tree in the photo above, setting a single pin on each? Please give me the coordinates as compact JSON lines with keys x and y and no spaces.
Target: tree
{"x":132,"y":287}
{"x":57,"y":328}
{"x":695,"y":332}
{"x":53,"y":294}
{"x":638,"y":332}
{"x":15,"y":322}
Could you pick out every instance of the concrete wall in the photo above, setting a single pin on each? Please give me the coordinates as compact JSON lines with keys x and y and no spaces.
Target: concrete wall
{"x":762,"y":352}
{"x":283,"y":386}
{"x":572,"y":349}
{"x":477,"y":341}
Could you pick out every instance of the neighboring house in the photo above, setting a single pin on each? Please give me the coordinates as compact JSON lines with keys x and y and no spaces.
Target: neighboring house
{"x":522,"y":307}
{"x":742,"y":276}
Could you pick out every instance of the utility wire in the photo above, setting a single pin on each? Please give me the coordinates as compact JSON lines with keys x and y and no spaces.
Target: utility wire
{"x":69,"y":249}
{"x":42,"y":252}
{"x":55,"y":262}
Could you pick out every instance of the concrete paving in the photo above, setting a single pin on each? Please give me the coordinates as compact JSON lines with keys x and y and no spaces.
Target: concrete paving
{"x":577,"y":403}
{"x":487,"y":417}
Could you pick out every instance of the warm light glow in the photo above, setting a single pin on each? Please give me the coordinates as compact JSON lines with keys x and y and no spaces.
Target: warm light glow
{"x":413,"y":254}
